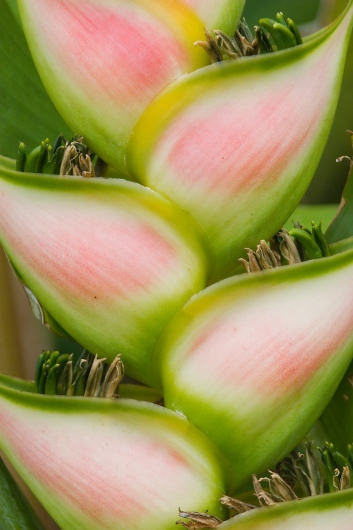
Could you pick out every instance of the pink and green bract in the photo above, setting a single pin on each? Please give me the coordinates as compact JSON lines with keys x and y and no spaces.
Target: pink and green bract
{"x":236,"y":144}
{"x":250,"y":360}
{"x":222,"y":154}
{"x":113,"y":273}
{"x":117,"y":56}
{"x":334,"y":511}
{"x":98,"y":464}
{"x":112,"y":280}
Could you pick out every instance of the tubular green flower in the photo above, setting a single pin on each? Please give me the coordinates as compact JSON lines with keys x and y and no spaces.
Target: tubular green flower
{"x":254,"y":360}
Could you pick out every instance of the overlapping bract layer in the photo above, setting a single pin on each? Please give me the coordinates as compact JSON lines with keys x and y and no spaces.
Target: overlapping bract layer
{"x":254,"y":360}
{"x":237,"y":143}
{"x":103,"y":62}
{"x":332,"y":511}
{"x":110,"y":260}
{"x":114,"y":262}
{"x":98,"y":464}
{"x":229,"y":143}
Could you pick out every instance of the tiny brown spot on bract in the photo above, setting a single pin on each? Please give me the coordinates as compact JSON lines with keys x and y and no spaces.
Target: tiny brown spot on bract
{"x":345,"y":397}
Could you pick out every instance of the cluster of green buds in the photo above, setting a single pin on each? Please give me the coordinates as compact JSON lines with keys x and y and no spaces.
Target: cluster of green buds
{"x":287,"y":248}
{"x":284,"y":32}
{"x":339,"y":467}
{"x":62,"y":158}
{"x":298,"y":470}
{"x":59,"y":374}
{"x":244,"y":43}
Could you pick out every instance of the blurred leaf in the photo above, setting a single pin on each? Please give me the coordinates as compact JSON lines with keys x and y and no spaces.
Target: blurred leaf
{"x":298,"y":10}
{"x":329,"y":179}
{"x":14,"y":9}
{"x":305,"y":213}
{"x":342,"y":225}
{"x":15,"y":511}
{"x":26,"y":112}
{"x":337,"y":419}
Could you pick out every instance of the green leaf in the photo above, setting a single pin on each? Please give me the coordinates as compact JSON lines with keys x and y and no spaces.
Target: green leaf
{"x":12,"y":4}
{"x":306,"y":213}
{"x":298,"y":10}
{"x":15,"y":511}
{"x":337,"y":419}
{"x":342,"y":225}
{"x":27,"y":113}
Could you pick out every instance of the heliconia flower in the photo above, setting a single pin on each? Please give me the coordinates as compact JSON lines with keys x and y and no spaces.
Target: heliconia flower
{"x":110,"y":260}
{"x":332,"y":511}
{"x":254,"y":360}
{"x":236,"y":143}
{"x":99,"y":464}
{"x":103,"y":62}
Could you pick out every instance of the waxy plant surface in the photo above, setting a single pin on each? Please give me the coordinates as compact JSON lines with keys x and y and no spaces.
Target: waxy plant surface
{"x":207,"y":159}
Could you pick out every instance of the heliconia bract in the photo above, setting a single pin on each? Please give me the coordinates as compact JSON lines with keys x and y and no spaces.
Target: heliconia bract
{"x":223,"y":14}
{"x":110,"y":260}
{"x":254,"y":360}
{"x":333,"y":511}
{"x":105,"y":464}
{"x":237,"y":143}
{"x":102,"y":62}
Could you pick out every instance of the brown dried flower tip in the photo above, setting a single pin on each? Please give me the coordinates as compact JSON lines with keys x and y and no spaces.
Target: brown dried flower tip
{"x":199,"y":521}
